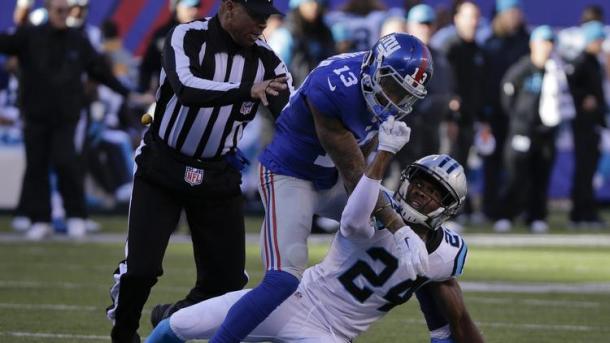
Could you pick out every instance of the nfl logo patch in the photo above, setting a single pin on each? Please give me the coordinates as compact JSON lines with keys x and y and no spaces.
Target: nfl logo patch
{"x":193,"y":176}
{"x":246,"y":107}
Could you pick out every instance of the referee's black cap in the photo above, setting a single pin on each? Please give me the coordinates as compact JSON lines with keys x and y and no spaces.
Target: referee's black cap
{"x":261,"y":8}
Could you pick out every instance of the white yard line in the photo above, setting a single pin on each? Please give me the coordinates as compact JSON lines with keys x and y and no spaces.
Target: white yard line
{"x":508,"y":287}
{"x":52,"y":307}
{"x":534,"y":302}
{"x":516,"y":326}
{"x":53,"y":335}
{"x":467,"y":286}
{"x":510,"y":240}
{"x":529,"y":326}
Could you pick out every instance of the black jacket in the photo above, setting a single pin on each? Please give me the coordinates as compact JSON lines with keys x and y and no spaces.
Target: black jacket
{"x":468,"y":64}
{"x":585,"y":77}
{"x":151,"y":61}
{"x":52,"y":63}
{"x":501,"y":52}
{"x":520,"y":98}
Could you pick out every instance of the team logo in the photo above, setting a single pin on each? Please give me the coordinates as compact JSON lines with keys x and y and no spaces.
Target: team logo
{"x":246,"y":107}
{"x":388,"y":46}
{"x":193,"y":176}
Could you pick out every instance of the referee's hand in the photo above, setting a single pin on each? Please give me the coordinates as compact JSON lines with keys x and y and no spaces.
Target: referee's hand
{"x":272,"y":87}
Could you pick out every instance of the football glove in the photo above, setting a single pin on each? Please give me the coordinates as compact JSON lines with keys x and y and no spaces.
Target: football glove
{"x":393,"y":135}
{"x":412,"y":250}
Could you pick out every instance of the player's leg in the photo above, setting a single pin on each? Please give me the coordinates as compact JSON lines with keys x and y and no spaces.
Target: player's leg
{"x":330,"y":203}
{"x":70,"y":179}
{"x":36,"y":195}
{"x":153,"y":215}
{"x":288,"y":323}
{"x":288,"y":212}
{"x":198,"y":321}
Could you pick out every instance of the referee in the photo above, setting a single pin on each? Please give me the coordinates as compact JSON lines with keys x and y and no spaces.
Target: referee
{"x":216,"y":72}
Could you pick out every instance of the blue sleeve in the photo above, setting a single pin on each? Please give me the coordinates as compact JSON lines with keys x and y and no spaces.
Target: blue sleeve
{"x":460,"y":259}
{"x":281,"y":42}
{"x":434,"y":317}
{"x":318,"y":93}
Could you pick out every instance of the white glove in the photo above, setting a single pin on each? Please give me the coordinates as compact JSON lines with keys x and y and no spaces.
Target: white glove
{"x":412,"y":250}
{"x":393,"y":135}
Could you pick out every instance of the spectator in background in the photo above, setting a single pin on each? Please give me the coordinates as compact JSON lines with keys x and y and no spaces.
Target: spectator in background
{"x":113,"y":126}
{"x":429,"y":112}
{"x":77,"y":18}
{"x":392,"y":25}
{"x":571,"y":41}
{"x":183,"y":11}
{"x":534,"y":94}
{"x":304,"y":40}
{"x":22,"y":12}
{"x":52,"y":60}
{"x":586,"y":77}
{"x":508,"y":43}
{"x":467,"y":63}
{"x":361,"y":20}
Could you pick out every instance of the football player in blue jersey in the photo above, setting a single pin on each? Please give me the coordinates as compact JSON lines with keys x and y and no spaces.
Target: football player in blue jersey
{"x":326,"y":131}
{"x":364,"y":274}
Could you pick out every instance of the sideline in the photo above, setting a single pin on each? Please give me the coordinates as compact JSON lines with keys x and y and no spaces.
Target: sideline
{"x":480,"y":240}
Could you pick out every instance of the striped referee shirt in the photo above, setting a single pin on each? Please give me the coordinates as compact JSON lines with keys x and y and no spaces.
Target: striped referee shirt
{"x":203,"y":102}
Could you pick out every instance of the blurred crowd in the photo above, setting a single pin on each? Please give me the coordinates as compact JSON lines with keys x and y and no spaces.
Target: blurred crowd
{"x":503,"y":97}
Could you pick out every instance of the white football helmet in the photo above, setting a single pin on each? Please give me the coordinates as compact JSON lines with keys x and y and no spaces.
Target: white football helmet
{"x":443,"y":171}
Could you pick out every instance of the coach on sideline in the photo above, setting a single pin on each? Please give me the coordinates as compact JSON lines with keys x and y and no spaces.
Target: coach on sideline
{"x":52,"y":59}
{"x":216,"y":72}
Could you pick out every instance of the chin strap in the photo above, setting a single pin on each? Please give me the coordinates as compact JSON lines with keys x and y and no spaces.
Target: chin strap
{"x":411,"y":215}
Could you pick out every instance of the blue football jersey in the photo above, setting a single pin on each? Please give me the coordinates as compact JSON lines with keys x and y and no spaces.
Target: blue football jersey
{"x":333,"y":88}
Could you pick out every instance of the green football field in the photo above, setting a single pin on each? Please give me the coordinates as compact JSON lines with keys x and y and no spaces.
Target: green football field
{"x":57,"y":291}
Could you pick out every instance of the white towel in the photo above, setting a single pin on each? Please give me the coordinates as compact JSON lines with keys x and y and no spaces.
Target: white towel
{"x":556,"y":102}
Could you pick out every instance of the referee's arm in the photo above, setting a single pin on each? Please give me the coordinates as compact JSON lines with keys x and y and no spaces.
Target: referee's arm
{"x":178,"y":52}
{"x":275,"y":67}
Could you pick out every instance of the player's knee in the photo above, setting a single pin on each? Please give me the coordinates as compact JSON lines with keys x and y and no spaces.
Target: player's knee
{"x":295,"y":261}
{"x":187,"y":325}
{"x":283,"y":282}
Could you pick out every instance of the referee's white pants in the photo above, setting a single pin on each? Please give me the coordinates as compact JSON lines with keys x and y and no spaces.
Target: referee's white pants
{"x":290,"y":204}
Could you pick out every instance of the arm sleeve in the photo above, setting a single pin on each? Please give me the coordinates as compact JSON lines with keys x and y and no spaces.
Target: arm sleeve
{"x":180,"y":50}
{"x":509,"y":88}
{"x":356,"y":217}
{"x":11,"y":43}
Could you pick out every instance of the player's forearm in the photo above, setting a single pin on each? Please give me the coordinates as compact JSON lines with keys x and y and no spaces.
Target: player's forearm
{"x":380,"y":164}
{"x":387,"y":215}
{"x":341,"y":146}
{"x":465,"y":331}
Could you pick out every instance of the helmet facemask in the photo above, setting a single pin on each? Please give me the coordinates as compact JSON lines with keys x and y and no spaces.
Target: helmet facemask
{"x":386,"y":92}
{"x":447,"y":201}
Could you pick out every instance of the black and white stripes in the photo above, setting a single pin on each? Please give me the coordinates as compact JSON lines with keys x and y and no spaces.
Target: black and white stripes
{"x":203,"y":102}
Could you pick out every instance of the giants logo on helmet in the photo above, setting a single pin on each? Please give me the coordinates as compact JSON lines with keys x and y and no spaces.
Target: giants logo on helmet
{"x":388,"y":46}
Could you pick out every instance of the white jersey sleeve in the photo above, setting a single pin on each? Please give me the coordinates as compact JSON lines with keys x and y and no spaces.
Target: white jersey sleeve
{"x":359,"y":281}
{"x":356,"y":217}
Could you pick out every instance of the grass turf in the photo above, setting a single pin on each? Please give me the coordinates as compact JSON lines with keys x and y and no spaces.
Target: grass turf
{"x":57,"y":292}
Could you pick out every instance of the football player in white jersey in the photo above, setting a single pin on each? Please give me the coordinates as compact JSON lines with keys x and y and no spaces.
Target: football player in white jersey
{"x":364,"y":274}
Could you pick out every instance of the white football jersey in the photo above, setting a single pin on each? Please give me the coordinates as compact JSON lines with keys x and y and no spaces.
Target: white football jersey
{"x":359,"y":281}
